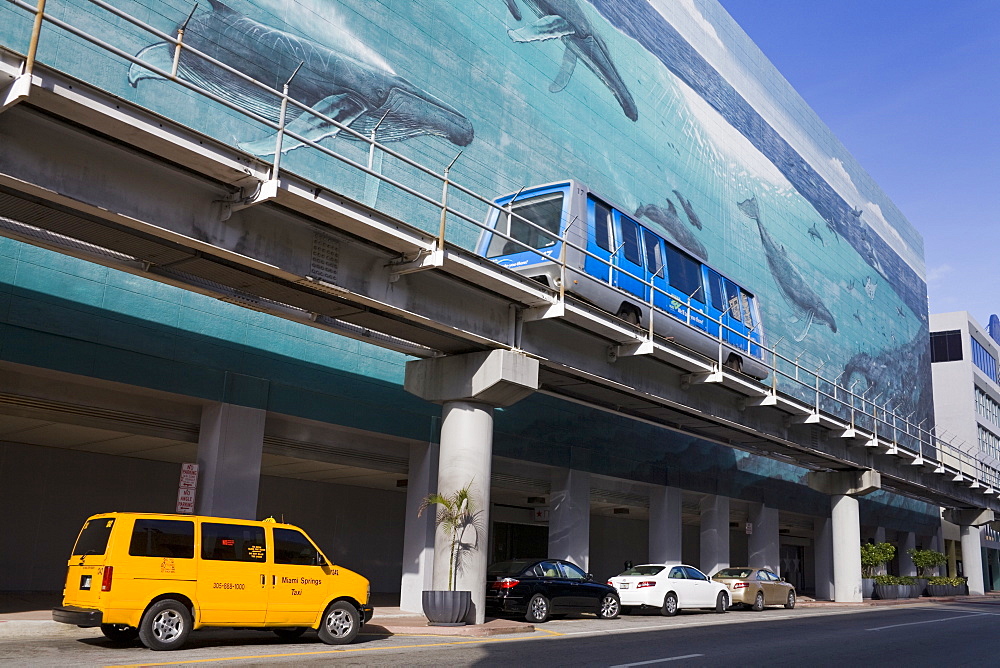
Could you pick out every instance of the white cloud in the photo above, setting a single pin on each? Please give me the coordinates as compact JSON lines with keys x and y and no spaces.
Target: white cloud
{"x":935,"y":274}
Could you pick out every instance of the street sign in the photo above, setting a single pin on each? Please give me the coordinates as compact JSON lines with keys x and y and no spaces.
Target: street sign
{"x":185,"y":500}
{"x":186,"y":488}
{"x":749,"y":528}
{"x":189,"y":475}
{"x":541,"y":514}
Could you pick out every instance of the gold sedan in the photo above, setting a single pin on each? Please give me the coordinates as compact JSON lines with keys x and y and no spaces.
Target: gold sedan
{"x":756,"y":587}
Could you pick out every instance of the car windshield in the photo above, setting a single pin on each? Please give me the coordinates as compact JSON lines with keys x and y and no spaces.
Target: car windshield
{"x":651,"y":569}
{"x":508,"y":568}
{"x":734,"y":573}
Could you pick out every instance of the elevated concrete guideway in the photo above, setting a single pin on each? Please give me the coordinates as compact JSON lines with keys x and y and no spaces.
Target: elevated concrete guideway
{"x":88,"y":174}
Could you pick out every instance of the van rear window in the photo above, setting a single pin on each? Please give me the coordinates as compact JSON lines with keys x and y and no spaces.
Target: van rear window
{"x":162,"y":538}
{"x":232,"y":542}
{"x":94,"y":537}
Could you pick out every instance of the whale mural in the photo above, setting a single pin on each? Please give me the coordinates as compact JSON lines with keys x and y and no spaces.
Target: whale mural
{"x":668,"y":219}
{"x":564,"y":20}
{"x":792,"y":285}
{"x":355,"y":93}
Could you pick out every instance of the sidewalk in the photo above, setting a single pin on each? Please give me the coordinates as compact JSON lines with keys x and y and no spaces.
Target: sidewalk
{"x":389,"y":618}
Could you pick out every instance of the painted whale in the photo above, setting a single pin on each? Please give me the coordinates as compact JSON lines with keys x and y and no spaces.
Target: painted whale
{"x":689,"y":210}
{"x":565,"y":20}
{"x":358,"y":94}
{"x":668,"y":219}
{"x":789,"y":280}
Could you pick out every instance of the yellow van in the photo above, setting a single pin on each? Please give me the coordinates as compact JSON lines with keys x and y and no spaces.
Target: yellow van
{"x":159,"y":577}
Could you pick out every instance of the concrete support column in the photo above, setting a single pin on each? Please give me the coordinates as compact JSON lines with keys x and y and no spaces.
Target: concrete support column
{"x":972,"y":559}
{"x":906,"y":566}
{"x":763,"y":549}
{"x":823,"y":549}
{"x":665,"y":534}
{"x":845,"y":520}
{"x":418,"y":532}
{"x":969,"y":521}
{"x":952,"y":559}
{"x":469,"y":387}
{"x":714,"y":533}
{"x":569,"y":517}
{"x":230,"y":443}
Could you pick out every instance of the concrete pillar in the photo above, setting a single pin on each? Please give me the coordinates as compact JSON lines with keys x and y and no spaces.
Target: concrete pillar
{"x":469,"y":387}
{"x":665,"y":525}
{"x":230,"y":444}
{"x":762,"y":549}
{"x":823,"y":550}
{"x":952,"y":559}
{"x":418,"y":532}
{"x":845,"y":520}
{"x":906,"y":566}
{"x":972,"y":559}
{"x":714,"y":533}
{"x":569,"y":517}
{"x":970,"y":521}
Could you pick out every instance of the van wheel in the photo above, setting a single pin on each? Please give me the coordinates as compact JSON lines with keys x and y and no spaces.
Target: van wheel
{"x":340,"y":624}
{"x":122,"y":633}
{"x":165,"y":625}
{"x":289,"y":633}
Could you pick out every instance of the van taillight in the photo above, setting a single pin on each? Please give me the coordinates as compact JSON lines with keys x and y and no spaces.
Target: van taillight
{"x":106,"y":582}
{"x":506,"y":583}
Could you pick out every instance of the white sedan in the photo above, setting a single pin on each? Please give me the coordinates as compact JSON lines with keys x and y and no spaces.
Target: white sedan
{"x":669,"y":587}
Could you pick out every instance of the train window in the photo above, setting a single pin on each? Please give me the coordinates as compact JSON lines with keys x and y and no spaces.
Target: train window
{"x":745,"y":305}
{"x":602,"y":225}
{"x":685,"y":273}
{"x":654,"y":253}
{"x":544,"y":211}
{"x":630,"y":240}
{"x":733,"y":300}
{"x":716,"y":291}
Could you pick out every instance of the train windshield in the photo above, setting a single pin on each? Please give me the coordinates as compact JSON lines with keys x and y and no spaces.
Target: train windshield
{"x":544,"y":213}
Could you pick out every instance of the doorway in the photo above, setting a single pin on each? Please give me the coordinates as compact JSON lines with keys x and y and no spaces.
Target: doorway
{"x":519,"y":541}
{"x":793,"y":565}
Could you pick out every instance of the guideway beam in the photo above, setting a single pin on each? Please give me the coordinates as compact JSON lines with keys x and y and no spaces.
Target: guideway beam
{"x":844,"y":487}
{"x":469,"y":387}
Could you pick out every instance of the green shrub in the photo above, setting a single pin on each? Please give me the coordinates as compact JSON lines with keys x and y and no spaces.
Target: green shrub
{"x":874,"y":555}
{"x":886,"y":580}
{"x":906,"y":580}
{"x":942,"y":580}
{"x":925,"y":559}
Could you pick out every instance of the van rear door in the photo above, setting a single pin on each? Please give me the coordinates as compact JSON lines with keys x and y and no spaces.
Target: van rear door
{"x":85,"y":573}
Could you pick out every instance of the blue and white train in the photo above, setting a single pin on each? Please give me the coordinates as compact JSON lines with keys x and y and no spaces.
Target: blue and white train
{"x":623,"y":259}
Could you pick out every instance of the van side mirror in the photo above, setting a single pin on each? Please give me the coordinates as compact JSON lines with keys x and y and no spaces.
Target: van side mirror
{"x":320,"y":561}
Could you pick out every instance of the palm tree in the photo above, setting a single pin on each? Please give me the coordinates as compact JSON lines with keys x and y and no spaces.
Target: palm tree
{"x":457,"y":513}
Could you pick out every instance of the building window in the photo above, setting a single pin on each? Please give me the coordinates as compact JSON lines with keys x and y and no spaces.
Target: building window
{"x":946,"y":346}
{"x":989,"y":443}
{"x":987,"y":407}
{"x":984,"y":360}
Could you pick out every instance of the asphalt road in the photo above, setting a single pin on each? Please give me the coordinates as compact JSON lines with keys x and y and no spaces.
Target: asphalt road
{"x":931,"y":634}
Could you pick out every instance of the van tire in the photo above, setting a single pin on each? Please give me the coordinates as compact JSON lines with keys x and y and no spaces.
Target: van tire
{"x":119,"y":633}
{"x":165,"y":625}
{"x":340,"y":624}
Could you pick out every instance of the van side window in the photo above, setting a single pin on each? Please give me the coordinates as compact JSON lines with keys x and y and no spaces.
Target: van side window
{"x":232,"y":542}
{"x":291,"y":547}
{"x":162,"y":538}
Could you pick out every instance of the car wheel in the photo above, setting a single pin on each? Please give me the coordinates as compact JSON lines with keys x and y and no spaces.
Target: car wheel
{"x":669,"y":608}
{"x":610,"y":607}
{"x":290,"y":632}
{"x":758,"y":602}
{"x":538,"y":609}
{"x":165,"y":625}
{"x":340,"y":624}
{"x":790,"y":603}
{"x":122,"y":633}
{"x":722,"y":602}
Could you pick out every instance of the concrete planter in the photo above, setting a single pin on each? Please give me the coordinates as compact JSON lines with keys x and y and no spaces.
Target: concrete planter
{"x":921,"y":586}
{"x":446,"y":608}
{"x":886,"y":592}
{"x":867,"y":587}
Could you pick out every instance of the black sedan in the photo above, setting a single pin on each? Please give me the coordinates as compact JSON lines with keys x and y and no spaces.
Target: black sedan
{"x":539,"y":588}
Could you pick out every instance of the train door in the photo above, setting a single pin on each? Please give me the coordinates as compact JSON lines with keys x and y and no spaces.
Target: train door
{"x":716,"y":301}
{"x":684,"y":279}
{"x":737,"y":316}
{"x":629,"y":271}
{"x":600,"y":240}
{"x":656,"y":268}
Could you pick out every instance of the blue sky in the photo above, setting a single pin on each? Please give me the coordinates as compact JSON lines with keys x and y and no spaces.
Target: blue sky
{"x":912,"y":89}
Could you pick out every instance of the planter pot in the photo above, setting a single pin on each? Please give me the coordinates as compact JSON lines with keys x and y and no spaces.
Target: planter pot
{"x":921,"y":586}
{"x":446,"y":608}
{"x":867,"y":587}
{"x":886,"y":592}
{"x":942,"y":590}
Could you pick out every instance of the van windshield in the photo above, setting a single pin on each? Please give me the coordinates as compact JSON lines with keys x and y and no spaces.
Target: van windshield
{"x":544,"y":211}
{"x":94,"y":537}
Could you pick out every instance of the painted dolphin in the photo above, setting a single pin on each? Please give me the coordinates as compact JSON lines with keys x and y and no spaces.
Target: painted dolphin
{"x":689,"y":210}
{"x":668,"y":219}
{"x":358,"y":94}
{"x":564,"y":20}
{"x":789,"y":280}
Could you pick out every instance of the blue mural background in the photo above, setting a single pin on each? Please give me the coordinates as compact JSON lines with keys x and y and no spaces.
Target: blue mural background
{"x":625,"y":95}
